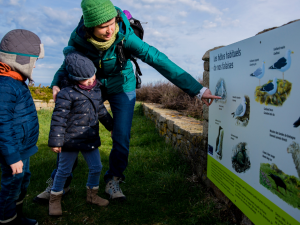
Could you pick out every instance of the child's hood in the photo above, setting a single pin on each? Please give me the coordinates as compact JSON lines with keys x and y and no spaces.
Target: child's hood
{"x":20,"y":49}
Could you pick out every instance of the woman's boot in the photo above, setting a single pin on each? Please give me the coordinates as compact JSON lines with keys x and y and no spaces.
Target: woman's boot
{"x":93,"y":198}
{"x":55,"y":203}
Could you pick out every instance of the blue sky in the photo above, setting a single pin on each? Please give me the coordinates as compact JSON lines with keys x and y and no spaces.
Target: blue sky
{"x":182,"y":29}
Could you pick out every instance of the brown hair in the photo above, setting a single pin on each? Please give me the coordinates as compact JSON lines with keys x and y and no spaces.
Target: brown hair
{"x":89,"y":31}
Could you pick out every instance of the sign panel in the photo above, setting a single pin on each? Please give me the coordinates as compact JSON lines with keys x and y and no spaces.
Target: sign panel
{"x":254,"y":130}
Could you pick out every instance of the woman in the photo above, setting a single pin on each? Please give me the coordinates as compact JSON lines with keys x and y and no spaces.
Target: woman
{"x":97,"y":35}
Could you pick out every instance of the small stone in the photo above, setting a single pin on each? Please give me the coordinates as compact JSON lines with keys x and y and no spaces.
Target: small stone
{"x":170,"y":124}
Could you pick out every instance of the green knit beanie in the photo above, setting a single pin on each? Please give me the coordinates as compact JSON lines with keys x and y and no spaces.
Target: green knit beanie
{"x":96,"y":12}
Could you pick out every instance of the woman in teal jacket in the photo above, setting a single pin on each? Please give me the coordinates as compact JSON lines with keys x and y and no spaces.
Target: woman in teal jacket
{"x":97,"y":35}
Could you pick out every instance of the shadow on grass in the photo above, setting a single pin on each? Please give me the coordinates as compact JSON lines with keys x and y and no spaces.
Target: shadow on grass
{"x":157,"y":188}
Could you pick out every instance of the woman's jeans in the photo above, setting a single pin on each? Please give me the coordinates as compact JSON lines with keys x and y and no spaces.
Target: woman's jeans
{"x":13,"y":189}
{"x":122,"y":107}
{"x":66,"y":162}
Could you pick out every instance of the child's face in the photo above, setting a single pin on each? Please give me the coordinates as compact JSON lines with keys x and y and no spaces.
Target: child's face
{"x":88,"y":82}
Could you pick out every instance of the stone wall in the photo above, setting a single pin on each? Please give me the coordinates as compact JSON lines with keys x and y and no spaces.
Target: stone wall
{"x":39,"y":104}
{"x":184,"y":133}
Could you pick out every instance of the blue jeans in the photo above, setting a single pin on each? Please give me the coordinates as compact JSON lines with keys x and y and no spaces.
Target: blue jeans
{"x":122,"y":107}
{"x":69,"y":179}
{"x":66,"y":162}
{"x":12,"y":187}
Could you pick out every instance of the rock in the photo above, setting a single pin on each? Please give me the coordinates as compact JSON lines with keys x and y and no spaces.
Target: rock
{"x":206,"y":65}
{"x":206,"y":55}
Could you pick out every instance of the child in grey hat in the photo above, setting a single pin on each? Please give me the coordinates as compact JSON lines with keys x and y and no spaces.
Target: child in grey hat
{"x":19,"y":127}
{"x":75,"y":128}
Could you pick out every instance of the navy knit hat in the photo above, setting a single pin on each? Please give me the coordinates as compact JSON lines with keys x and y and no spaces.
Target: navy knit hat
{"x":79,"y":66}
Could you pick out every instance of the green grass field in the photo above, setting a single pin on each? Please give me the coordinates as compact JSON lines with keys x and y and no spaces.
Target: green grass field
{"x":157,"y":188}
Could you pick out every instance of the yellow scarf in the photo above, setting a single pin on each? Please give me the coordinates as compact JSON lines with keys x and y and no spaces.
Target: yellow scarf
{"x":103,"y":46}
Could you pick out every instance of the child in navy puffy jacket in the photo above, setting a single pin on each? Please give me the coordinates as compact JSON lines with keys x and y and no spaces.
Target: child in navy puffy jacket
{"x":75,"y":128}
{"x":19,"y":127}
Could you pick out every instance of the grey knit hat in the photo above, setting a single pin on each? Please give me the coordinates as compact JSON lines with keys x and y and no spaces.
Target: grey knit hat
{"x":20,"y":49}
{"x":79,"y":66}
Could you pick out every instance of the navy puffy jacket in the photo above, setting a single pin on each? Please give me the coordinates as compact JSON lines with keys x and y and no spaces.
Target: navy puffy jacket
{"x":74,"y":124}
{"x":19,"y":126}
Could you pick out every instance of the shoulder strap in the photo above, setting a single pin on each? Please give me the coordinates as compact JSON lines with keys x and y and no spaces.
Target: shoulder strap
{"x":124,"y":55}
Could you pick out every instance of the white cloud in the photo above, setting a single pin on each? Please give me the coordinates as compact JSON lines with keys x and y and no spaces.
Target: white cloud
{"x":159,"y":1}
{"x":164,"y":19}
{"x":227,"y":22}
{"x":183,"y":13}
{"x":16,"y":2}
{"x":47,"y":66}
{"x":208,"y":24}
{"x":202,"y":6}
{"x":48,"y":41}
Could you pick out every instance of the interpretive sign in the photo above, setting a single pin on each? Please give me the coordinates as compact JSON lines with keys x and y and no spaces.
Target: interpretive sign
{"x":254,"y":130}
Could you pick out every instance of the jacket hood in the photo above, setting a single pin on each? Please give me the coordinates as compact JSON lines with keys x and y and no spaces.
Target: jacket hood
{"x":20,"y":49}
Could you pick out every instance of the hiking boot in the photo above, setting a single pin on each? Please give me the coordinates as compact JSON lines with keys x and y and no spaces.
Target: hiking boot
{"x":55,"y":203}
{"x":43,"y":198}
{"x":113,"y":189}
{"x":93,"y":198}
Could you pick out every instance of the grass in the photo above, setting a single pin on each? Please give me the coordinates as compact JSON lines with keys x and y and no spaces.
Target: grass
{"x":157,"y":188}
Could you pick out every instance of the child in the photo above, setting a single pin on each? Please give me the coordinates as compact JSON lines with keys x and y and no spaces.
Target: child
{"x":19,"y":127}
{"x":75,"y":128}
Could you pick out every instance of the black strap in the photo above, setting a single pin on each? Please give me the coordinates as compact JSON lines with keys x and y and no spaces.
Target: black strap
{"x":137,"y":67}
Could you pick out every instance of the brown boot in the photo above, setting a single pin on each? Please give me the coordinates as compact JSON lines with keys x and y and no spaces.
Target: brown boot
{"x":93,"y":198}
{"x":55,"y":203}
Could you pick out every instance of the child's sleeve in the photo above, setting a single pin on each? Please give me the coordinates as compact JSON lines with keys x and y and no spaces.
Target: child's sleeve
{"x":8,"y":147}
{"x":105,"y":118}
{"x":59,"y":119}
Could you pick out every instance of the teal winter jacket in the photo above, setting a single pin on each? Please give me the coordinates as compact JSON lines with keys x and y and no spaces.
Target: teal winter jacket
{"x":117,"y":79}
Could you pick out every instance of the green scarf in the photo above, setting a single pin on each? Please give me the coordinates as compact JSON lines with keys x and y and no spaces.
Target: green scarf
{"x":103,"y":46}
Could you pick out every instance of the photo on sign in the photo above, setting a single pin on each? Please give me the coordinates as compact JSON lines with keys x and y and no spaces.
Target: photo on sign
{"x":219,"y":143}
{"x":221,"y":91}
{"x":281,"y":184}
{"x":276,"y":91}
{"x":240,"y":158}
{"x":297,"y":123}
{"x":242,"y":112}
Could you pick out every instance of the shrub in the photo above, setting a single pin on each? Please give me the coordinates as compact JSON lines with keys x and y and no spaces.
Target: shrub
{"x":171,"y":97}
{"x":41,"y":93}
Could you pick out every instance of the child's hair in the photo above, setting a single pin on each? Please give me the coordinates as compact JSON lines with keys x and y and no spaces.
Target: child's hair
{"x":89,"y":31}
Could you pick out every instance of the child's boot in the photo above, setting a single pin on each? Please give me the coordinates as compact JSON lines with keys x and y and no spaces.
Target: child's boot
{"x":93,"y":198}
{"x":55,"y":203}
{"x":43,"y":197}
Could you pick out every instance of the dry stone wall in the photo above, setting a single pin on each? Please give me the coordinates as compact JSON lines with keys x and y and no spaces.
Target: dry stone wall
{"x":39,"y":104}
{"x":185,"y":134}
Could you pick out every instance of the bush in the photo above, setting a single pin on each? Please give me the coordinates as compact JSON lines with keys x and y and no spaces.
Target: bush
{"x":171,"y":97}
{"x":41,"y":93}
